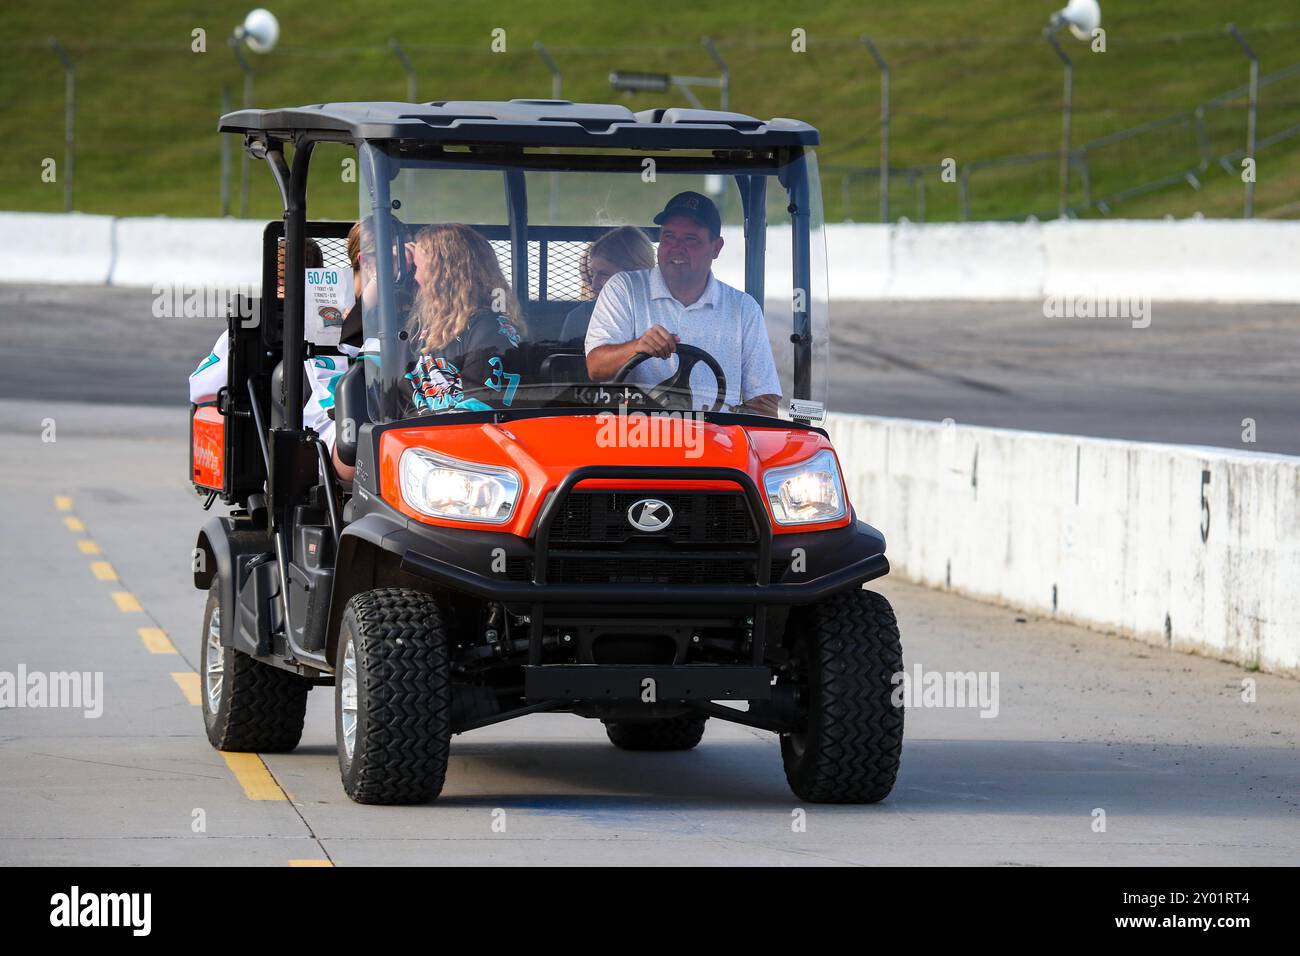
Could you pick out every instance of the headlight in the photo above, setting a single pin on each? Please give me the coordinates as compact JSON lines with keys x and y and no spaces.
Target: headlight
{"x":808,"y":492}
{"x":443,"y":487}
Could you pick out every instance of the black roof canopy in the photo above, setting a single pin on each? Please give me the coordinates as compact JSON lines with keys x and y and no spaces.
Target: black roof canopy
{"x":528,"y":123}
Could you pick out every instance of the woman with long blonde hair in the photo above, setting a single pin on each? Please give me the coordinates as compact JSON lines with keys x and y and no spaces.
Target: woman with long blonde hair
{"x":465,"y":323}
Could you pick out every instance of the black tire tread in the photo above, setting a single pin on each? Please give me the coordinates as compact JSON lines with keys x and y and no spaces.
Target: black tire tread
{"x":400,"y":634}
{"x":265,"y":706}
{"x":856,"y":741}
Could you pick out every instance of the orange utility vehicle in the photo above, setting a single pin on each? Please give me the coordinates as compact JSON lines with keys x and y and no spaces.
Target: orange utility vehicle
{"x":648,"y":555}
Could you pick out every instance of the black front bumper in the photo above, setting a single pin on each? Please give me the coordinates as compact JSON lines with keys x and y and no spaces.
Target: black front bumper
{"x":533,"y":592}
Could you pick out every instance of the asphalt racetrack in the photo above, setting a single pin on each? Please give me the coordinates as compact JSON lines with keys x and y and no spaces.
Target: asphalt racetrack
{"x":1160,"y":746}
{"x":1192,"y":377}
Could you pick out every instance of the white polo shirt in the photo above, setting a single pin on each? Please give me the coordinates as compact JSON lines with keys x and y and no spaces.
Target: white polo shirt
{"x":725,"y":322}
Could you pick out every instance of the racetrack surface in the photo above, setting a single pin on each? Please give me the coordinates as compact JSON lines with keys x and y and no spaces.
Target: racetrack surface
{"x":1184,"y":769}
{"x":1192,"y":377}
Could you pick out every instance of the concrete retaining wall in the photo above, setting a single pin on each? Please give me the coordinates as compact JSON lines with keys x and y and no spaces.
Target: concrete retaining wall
{"x":37,"y":247}
{"x":1184,"y":261}
{"x":1193,"y":548}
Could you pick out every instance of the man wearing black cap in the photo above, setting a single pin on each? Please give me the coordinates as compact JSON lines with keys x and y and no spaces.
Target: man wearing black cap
{"x":680,"y":300}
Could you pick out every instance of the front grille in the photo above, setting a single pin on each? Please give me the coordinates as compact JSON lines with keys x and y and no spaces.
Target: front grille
{"x":616,"y":568}
{"x":600,"y":517}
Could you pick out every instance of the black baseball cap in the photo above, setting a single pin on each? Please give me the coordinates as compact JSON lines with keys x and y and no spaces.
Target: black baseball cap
{"x":695,"y":206}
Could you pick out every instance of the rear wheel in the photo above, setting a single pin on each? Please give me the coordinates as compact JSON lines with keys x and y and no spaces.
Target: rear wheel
{"x":844,"y":655}
{"x":669,"y":733}
{"x":393,"y":697}
{"x":247,"y":705}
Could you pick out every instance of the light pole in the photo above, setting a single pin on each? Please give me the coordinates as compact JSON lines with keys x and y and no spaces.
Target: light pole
{"x":557,"y":93}
{"x":724,"y":74}
{"x":1067,"y":108}
{"x":635,"y":81}
{"x":884,"y":126}
{"x":1252,"y":116}
{"x":69,"y":115}
{"x":408,"y":66}
{"x":259,"y":32}
{"x":1082,"y":17}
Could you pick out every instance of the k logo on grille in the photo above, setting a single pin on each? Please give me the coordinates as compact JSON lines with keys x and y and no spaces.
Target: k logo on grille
{"x":650,"y":514}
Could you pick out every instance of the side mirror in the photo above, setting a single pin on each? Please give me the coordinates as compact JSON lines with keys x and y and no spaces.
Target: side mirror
{"x":350,"y":412}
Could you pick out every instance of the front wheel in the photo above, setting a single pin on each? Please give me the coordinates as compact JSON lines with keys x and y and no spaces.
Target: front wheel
{"x":392,"y":696}
{"x":844,"y":655}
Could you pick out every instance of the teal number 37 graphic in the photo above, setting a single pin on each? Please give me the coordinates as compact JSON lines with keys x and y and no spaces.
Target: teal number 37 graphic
{"x":501,"y":377}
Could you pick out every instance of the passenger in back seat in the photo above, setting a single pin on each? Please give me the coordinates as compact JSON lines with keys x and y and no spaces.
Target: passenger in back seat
{"x":321,"y":372}
{"x":624,"y":249}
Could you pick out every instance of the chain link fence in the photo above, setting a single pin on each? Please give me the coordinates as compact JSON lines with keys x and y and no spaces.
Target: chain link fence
{"x":1105,"y":173}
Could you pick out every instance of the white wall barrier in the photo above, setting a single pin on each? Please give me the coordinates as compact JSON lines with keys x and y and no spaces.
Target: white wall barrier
{"x":1185,"y":260}
{"x":43,"y":247}
{"x":209,"y":252}
{"x":1193,"y":548}
{"x":1170,"y":261}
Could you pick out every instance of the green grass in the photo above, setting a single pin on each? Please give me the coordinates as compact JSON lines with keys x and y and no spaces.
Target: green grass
{"x":971,"y":81}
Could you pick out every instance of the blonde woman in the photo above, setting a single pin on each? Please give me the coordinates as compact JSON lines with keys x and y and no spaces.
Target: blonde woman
{"x":624,"y":249}
{"x":465,"y":323}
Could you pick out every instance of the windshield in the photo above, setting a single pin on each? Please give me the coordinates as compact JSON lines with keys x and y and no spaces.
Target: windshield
{"x":593,"y":281}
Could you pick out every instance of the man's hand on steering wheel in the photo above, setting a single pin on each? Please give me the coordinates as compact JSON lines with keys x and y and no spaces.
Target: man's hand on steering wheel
{"x":657,"y":342}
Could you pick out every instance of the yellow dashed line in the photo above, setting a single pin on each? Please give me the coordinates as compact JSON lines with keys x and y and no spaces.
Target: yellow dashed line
{"x":126,"y":601}
{"x":252,"y":774}
{"x":249,"y":770}
{"x":156,"y":641}
{"x":310,"y":863}
{"x":188,"y":682}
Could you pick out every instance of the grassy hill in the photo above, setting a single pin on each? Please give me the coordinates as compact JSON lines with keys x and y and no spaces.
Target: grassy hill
{"x":971,"y":81}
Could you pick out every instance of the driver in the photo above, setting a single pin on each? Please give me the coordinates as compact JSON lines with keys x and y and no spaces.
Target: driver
{"x":680,"y":300}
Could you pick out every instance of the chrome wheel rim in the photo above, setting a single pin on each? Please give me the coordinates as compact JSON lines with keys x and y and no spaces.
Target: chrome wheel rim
{"x":348,"y":699}
{"x":214,"y":661}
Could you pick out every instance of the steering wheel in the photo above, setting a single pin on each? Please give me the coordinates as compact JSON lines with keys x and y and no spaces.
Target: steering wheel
{"x":676,"y":390}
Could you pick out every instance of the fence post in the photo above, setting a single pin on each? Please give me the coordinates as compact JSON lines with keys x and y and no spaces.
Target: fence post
{"x":884,"y":126}
{"x":1252,"y":116}
{"x":225,"y":154}
{"x":69,"y":117}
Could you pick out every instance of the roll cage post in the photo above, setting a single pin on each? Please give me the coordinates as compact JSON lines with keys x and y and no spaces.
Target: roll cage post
{"x":295,"y":236}
{"x":794,"y":177}
{"x":753,"y":197}
{"x":517,"y":218}
{"x":375,"y":169}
